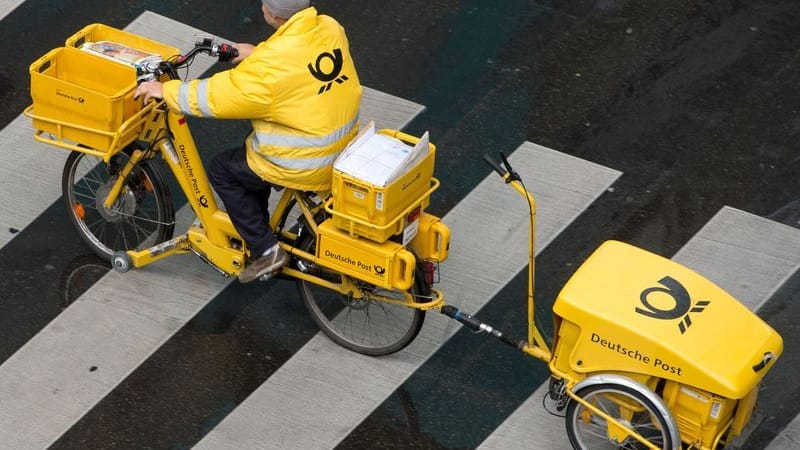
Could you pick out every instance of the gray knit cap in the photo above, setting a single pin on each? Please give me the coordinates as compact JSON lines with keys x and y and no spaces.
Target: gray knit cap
{"x":285,"y":8}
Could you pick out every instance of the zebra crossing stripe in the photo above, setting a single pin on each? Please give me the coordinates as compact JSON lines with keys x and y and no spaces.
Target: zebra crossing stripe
{"x":323,"y":392}
{"x":8,"y":6}
{"x":788,"y":438}
{"x":746,"y":255}
{"x":62,"y":372}
{"x":30,"y":174}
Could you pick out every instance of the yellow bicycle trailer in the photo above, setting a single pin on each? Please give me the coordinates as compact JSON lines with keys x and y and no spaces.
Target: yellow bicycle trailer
{"x":646,"y":352}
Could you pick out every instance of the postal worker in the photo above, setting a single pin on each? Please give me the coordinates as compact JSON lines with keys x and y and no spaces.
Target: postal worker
{"x":301,"y":93}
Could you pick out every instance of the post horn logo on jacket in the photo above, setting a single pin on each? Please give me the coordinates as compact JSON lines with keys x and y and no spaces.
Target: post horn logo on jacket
{"x":328,"y":77}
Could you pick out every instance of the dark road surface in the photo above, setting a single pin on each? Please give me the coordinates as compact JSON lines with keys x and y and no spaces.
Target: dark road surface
{"x":696,"y":102}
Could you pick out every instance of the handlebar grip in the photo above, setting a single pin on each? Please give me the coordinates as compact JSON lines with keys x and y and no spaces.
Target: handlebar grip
{"x":505,"y":162}
{"x":493,"y":164}
{"x":227,"y":52}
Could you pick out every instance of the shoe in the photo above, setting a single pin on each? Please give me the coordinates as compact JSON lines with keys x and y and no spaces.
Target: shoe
{"x":270,"y":262}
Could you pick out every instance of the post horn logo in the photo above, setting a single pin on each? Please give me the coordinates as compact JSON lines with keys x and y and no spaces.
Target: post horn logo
{"x":683,"y":303}
{"x":328,"y":77}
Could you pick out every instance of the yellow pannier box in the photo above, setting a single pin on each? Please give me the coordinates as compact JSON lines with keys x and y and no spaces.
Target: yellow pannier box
{"x":387,"y":264}
{"x":379,"y":212}
{"x":85,"y":101}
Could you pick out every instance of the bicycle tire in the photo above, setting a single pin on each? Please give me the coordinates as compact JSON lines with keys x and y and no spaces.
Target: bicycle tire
{"x":142,"y":216}
{"x":587,"y":431}
{"x":349,"y":322}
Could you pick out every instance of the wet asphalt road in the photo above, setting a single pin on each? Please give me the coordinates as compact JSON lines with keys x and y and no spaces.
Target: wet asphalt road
{"x":696,"y":102}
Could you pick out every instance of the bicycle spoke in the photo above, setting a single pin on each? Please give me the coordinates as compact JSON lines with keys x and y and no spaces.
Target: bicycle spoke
{"x":368,"y":325}
{"x":96,"y":222}
{"x":90,"y":197}
{"x":97,"y":179}
{"x":143,"y":235}
{"x":140,"y":236}
{"x":143,"y":214}
{"x":124,"y":235}
{"x":601,"y":436}
{"x":602,"y":406}
{"x":103,"y":230}
{"x":85,"y":181}
{"x":91,"y":175}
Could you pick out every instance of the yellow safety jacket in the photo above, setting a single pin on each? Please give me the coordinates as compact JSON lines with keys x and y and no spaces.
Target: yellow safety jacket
{"x":300,"y":90}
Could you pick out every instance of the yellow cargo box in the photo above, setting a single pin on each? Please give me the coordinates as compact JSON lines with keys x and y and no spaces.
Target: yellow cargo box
{"x":385,"y":264}
{"x":82,"y":98}
{"x":379,"y":212}
{"x":83,"y":101}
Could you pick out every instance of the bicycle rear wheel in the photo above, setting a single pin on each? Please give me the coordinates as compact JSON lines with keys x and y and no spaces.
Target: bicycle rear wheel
{"x":142,"y":216}
{"x":367,"y":326}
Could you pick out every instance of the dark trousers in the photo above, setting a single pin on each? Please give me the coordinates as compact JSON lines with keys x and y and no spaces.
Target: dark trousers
{"x":245,"y":196}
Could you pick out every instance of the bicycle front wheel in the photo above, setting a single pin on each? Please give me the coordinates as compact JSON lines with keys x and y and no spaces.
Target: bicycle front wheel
{"x":367,"y":325}
{"x":589,"y":431}
{"x":142,"y":216}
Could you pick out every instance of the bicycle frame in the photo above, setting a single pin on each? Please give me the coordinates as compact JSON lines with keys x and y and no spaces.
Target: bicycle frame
{"x":215,"y":240}
{"x":212,"y":237}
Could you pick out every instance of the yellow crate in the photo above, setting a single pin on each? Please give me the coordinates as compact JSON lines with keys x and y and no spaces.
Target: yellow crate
{"x":83,"y":98}
{"x":84,"y":102}
{"x":376,"y":212}
{"x":97,"y":32}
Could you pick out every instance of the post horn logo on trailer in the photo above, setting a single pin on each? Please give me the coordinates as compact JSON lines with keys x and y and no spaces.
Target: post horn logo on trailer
{"x":328,"y":77}
{"x":683,"y":303}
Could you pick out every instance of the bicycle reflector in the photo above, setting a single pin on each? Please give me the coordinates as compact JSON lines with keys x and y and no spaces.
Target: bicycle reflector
{"x":413,"y":215}
{"x":79,"y":210}
{"x":431,"y":271}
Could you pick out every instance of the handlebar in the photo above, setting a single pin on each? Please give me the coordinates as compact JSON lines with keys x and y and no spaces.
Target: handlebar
{"x":153,"y":70}
{"x":512,"y":176}
{"x":493,"y":164}
{"x":225,"y":52}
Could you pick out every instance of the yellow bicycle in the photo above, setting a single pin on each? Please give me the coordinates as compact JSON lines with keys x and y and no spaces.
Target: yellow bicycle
{"x":646,"y":354}
{"x":364,"y":275}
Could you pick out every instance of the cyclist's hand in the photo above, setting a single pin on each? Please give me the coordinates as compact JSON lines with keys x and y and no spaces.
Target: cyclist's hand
{"x":244,"y":52}
{"x":150,"y":90}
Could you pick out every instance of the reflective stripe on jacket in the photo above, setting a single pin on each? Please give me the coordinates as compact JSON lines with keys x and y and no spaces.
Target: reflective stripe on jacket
{"x":300,"y":90}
